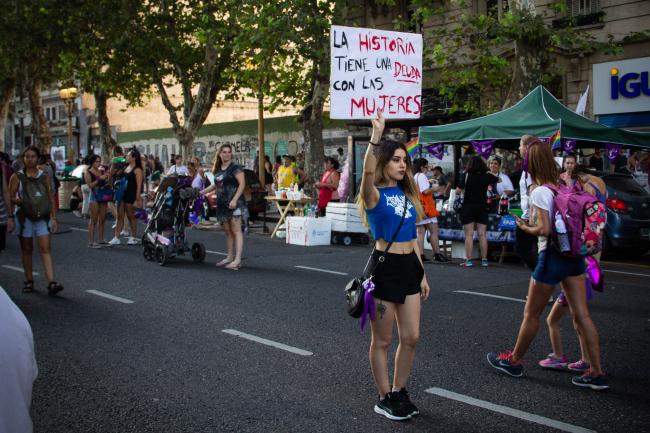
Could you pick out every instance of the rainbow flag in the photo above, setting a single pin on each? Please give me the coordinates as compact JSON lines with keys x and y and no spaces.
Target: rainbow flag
{"x":556,"y":140}
{"x":413,"y":146}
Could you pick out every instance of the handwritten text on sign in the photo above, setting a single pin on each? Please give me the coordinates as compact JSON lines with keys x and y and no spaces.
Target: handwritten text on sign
{"x":375,"y":70}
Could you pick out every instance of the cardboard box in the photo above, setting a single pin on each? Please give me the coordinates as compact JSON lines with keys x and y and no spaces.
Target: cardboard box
{"x":345,"y":218}
{"x":308,"y":231}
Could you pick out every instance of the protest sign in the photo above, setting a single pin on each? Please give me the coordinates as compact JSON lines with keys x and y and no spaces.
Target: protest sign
{"x":375,"y":70}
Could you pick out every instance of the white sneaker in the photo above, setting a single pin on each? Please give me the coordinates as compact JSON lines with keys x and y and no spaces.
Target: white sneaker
{"x":125,"y":233}
{"x":115,"y":241}
{"x":114,"y":225}
{"x":132,"y":241}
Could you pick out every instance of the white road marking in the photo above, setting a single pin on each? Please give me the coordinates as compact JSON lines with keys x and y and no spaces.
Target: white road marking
{"x":216,"y":252}
{"x":106,"y":295}
{"x":17,"y":269}
{"x":559,"y":425}
{"x":490,"y":296}
{"x":321,"y":270}
{"x":627,"y":273}
{"x":267,"y":342}
{"x":79,"y":229}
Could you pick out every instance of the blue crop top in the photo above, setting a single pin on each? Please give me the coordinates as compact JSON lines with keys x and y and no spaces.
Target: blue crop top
{"x":385,"y":217}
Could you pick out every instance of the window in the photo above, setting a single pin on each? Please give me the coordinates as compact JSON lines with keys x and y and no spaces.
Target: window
{"x":582,"y":7}
{"x":496,"y":8}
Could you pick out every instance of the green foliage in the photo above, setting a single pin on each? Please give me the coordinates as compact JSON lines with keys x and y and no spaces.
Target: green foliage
{"x":477,"y":54}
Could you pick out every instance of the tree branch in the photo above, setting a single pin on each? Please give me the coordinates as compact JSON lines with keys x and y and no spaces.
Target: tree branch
{"x":173,"y":117}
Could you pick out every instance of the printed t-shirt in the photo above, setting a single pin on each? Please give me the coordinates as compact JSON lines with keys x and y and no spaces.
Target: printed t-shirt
{"x":542,"y":198}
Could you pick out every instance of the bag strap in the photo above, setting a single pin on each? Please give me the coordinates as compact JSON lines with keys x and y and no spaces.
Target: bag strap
{"x":383,"y":256}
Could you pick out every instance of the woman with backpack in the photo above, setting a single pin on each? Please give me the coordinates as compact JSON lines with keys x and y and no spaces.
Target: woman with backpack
{"x":552,"y":268}
{"x":35,"y":217}
{"x":231,"y":206}
{"x":98,"y":181}
{"x":388,"y":201}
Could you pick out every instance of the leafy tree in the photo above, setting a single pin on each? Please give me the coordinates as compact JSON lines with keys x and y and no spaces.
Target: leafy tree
{"x":8,"y":64}
{"x":503,"y":59}
{"x":102,"y":31}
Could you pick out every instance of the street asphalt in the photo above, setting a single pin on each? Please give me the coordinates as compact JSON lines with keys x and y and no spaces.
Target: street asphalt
{"x":163,"y":362}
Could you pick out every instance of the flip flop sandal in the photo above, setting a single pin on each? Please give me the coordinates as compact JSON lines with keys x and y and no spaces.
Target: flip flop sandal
{"x":28,"y":287}
{"x":53,"y":288}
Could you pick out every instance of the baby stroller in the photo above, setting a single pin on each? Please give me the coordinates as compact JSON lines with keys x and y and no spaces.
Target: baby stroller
{"x":164,"y":236}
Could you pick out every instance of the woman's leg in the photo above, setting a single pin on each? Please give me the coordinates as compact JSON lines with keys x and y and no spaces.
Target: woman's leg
{"x":45,"y":249}
{"x":469,"y":240}
{"x":101,"y":218}
{"x":482,"y":240}
{"x":421,"y":229}
{"x":538,"y":294}
{"x":433,"y":237}
{"x":381,"y":336}
{"x":238,"y":239}
{"x":230,"y":240}
{"x":129,"y":212}
{"x":574,"y":289}
{"x":92,"y":222}
{"x":553,"y":321}
{"x":27,"y":249}
{"x":120,"y":220}
{"x":408,"y":329}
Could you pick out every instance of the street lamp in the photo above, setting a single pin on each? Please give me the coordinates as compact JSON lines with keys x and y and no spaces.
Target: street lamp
{"x":68,"y":96}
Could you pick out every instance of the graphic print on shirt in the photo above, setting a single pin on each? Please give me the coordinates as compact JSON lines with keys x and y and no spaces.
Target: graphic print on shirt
{"x":397,"y":203}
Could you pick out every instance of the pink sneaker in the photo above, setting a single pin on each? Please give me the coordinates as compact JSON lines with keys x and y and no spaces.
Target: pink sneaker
{"x":554,"y":362}
{"x":580,"y":365}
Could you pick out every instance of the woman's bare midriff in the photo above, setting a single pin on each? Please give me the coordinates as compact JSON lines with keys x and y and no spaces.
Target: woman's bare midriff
{"x":396,"y":248}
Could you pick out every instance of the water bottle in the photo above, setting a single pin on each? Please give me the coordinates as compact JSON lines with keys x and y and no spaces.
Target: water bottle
{"x":562,"y":236}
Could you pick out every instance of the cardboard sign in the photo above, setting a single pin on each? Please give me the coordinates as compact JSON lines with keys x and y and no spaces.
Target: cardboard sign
{"x":375,"y":69}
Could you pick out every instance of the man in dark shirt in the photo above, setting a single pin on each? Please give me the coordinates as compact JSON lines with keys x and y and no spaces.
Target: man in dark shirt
{"x":619,"y":165}
{"x":443,"y":183}
{"x":596,"y":160}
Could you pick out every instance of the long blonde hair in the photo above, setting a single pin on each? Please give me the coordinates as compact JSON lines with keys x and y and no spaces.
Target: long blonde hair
{"x":217,"y":159}
{"x":407,"y":184}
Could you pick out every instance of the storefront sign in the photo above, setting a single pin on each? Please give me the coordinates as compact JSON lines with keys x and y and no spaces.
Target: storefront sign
{"x":621,"y":86}
{"x":375,"y":70}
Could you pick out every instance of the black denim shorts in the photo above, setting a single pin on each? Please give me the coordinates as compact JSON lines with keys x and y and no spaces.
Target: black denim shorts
{"x":397,"y":277}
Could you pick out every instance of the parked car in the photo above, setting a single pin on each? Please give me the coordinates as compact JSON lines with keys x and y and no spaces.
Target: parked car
{"x":628,"y":215}
{"x":254,"y":194}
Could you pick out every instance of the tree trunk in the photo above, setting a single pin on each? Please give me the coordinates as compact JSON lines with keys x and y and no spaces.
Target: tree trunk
{"x":40,"y":127}
{"x":312,"y":122}
{"x":105,"y":139}
{"x":529,"y":59}
{"x":7,"y":87}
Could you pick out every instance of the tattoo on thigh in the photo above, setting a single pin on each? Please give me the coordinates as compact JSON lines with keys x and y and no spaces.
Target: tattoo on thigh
{"x":382,"y":309}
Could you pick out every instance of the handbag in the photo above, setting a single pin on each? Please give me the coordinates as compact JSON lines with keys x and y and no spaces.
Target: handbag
{"x":354,"y":290}
{"x":458,"y":203}
{"x":429,"y":205}
{"x":104,"y":194}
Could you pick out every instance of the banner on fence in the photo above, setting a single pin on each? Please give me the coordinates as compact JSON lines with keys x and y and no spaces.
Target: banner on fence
{"x":375,"y":70}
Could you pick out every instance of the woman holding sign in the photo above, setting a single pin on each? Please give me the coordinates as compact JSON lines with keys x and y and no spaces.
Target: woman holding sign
{"x":389,"y":202}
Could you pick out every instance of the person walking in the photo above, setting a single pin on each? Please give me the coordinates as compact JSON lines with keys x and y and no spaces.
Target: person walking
{"x":552,"y":268}
{"x":134,"y":176}
{"x":96,"y":179}
{"x":6,"y":223}
{"x":328,"y":184}
{"x":31,"y":192}
{"x":474,"y":185}
{"x":430,"y":222}
{"x":231,"y":210}
{"x":388,"y":201}
{"x":177,"y":168}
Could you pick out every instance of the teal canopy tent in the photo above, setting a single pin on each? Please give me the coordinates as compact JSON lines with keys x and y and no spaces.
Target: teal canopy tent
{"x":538,"y":113}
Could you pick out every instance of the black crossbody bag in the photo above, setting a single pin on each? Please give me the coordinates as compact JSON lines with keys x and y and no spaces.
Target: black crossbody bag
{"x":354,"y":291}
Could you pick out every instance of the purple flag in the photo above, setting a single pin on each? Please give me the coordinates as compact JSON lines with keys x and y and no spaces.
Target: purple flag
{"x":569,"y":146}
{"x":483,"y":147}
{"x":436,"y":150}
{"x":612,"y":150}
